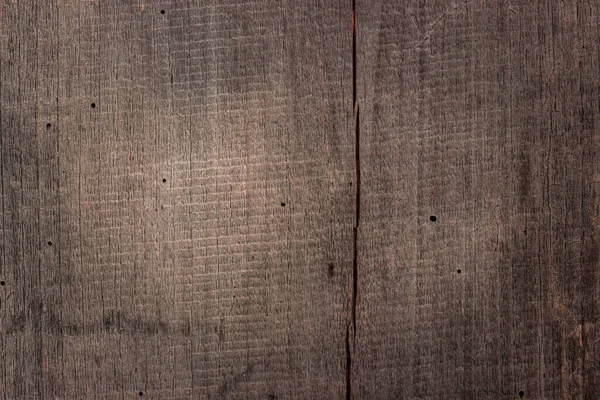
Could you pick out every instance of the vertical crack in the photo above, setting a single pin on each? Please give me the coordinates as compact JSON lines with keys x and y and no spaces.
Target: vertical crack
{"x":352,"y":321}
{"x":353,"y":53}
{"x":356,"y":220}
{"x":348,"y":365}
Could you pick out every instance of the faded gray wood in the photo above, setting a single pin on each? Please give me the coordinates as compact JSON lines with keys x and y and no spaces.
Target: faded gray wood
{"x":483,"y":114}
{"x":244,"y":212}
{"x":174,"y":270}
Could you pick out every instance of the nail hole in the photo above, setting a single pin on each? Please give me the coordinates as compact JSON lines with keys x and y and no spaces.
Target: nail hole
{"x":433,"y":218}
{"x":330,"y":269}
{"x":2,"y":283}
{"x":521,"y":393}
{"x":93,"y":105}
{"x":48,"y":125}
{"x":282,"y":204}
{"x":141,"y":393}
{"x":458,"y":270}
{"x":162,"y":11}
{"x":164,"y":180}
{"x":49,"y":243}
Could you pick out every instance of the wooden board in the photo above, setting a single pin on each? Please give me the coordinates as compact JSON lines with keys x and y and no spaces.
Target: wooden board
{"x":299,"y":199}
{"x":483,"y":114}
{"x":174,"y":270}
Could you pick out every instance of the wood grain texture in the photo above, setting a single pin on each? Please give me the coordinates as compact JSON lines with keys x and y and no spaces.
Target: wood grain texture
{"x":146,"y":160}
{"x":299,"y":199}
{"x":483,"y":114}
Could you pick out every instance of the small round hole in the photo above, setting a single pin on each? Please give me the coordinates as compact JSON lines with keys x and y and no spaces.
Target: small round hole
{"x":49,"y":243}
{"x":93,"y":105}
{"x":164,"y":180}
{"x":2,"y":283}
{"x":48,"y":125}
{"x":458,"y":271}
{"x":282,"y":204}
{"x":433,"y":218}
{"x":330,"y":269}
{"x":521,"y":393}
{"x":162,"y":11}
{"x":141,"y":393}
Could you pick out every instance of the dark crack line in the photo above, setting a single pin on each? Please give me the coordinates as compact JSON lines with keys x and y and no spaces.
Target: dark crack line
{"x":357,"y":221}
{"x":348,"y":365}
{"x":353,"y":53}
{"x":349,"y":349}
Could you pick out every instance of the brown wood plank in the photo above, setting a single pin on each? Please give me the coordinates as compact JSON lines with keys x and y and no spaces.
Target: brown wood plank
{"x":200,"y":212}
{"x":483,"y":114}
{"x":314,"y":199}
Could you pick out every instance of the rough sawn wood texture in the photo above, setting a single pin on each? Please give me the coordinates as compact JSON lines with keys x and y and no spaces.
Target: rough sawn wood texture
{"x":485,"y":115}
{"x":278,"y":199}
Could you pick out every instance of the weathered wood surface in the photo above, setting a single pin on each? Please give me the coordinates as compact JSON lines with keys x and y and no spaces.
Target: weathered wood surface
{"x":245,"y":210}
{"x":202,"y":285}
{"x":484,"y":114}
